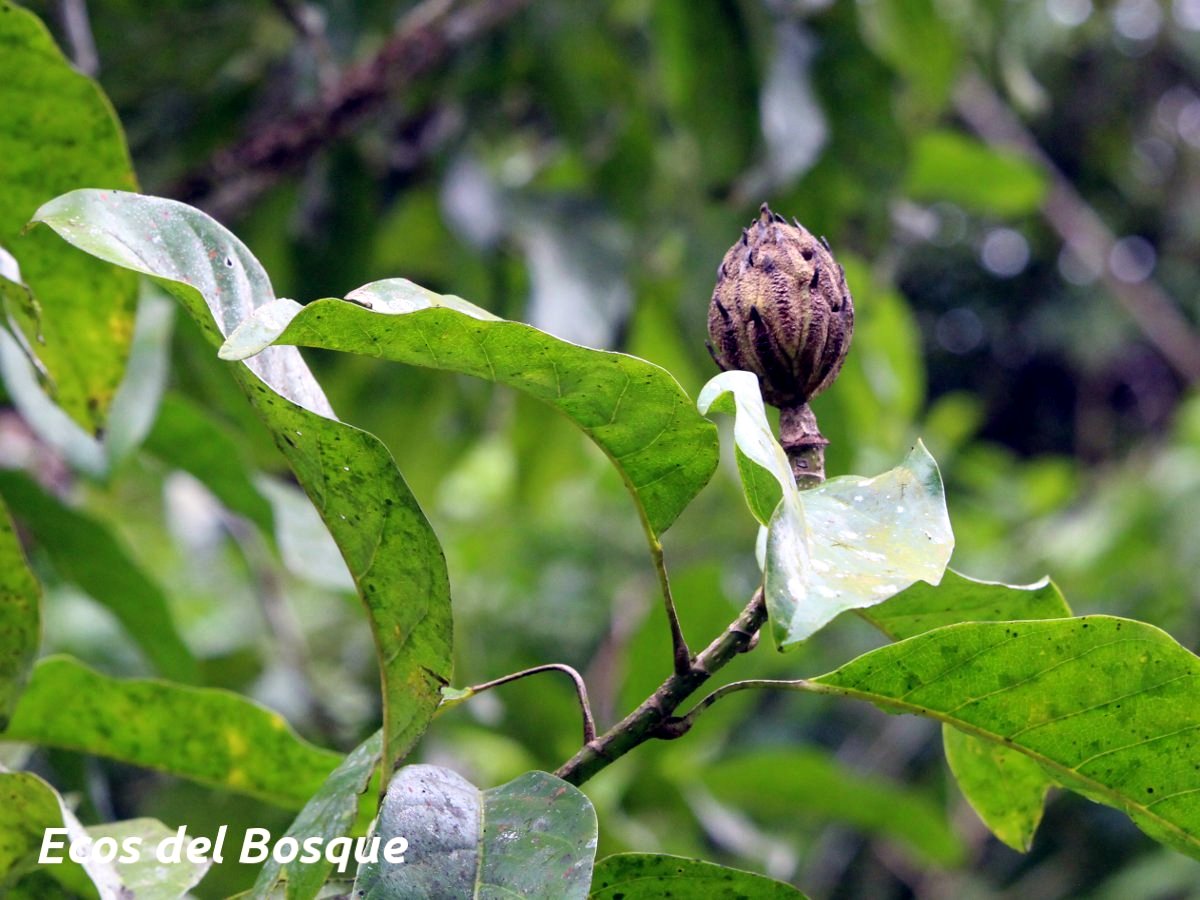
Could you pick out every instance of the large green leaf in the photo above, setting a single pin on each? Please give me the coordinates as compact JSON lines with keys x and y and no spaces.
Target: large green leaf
{"x":533,"y":837}
{"x":30,"y":806}
{"x":633,"y":410}
{"x":20,"y":618}
{"x":329,"y":814}
{"x":350,"y":476}
{"x":848,"y":543}
{"x":211,"y":736}
{"x":59,"y":132}
{"x":1006,"y":788}
{"x":650,"y":876}
{"x":1108,"y":707}
{"x":779,"y":787}
{"x":85,"y":552}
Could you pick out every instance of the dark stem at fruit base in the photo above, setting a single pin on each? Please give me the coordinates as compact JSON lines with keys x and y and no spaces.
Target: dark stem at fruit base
{"x":804,"y":444}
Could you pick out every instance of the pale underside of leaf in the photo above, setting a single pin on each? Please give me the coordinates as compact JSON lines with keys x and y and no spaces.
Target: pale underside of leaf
{"x":849,"y":543}
{"x":534,"y":837}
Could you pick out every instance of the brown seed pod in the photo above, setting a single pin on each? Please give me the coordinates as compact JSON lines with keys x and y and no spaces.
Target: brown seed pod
{"x":781,"y":309}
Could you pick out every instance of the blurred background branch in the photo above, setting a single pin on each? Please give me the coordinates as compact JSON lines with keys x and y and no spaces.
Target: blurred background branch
{"x":422,"y":40}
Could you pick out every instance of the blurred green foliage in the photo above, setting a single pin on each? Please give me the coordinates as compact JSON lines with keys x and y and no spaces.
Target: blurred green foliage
{"x":583,"y":167}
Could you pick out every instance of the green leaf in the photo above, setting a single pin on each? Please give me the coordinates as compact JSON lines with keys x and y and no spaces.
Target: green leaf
{"x":211,"y":736}
{"x":633,"y":410}
{"x":59,"y":132}
{"x":960,"y":598}
{"x":329,"y":814}
{"x":1108,"y":707}
{"x":650,"y":876}
{"x":780,"y":786}
{"x":186,"y":437}
{"x":1006,"y":789}
{"x":349,"y":475}
{"x":30,"y":806}
{"x":848,"y":543}
{"x":947,"y":165}
{"x":84,"y":552}
{"x":20,"y":618}
{"x":533,"y":837}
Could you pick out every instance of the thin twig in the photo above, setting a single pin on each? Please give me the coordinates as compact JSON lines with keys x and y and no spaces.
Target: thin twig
{"x":424,"y":39}
{"x":589,"y":723}
{"x":647,"y":721}
{"x":1081,"y":228}
{"x":683,"y":724}
{"x":679,"y":644}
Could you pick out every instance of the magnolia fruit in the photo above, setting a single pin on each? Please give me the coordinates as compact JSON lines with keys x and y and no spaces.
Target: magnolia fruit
{"x":781,"y":309}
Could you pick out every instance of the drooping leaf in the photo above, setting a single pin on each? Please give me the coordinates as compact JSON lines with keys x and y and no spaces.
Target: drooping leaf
{"x":947,"y":165}
{"x":207,"y":735}
{"x":533,"y":837}
{"x":1108,"y":707}
{"x":20,"y":618}
{"x":1005,"y":788}
{"x":350,"y":476}
{"x":186,"y":437}
{"x":30,"y":806}
{"x":329,"y":814}
{"x":778,"y":787}
{"x":650,"y":876}
{"x":848,"y":543}
{"x":633,"y":410}
{"x":84,"y":552}
{"x":763,"y":466}
{"x":59,"y":132}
